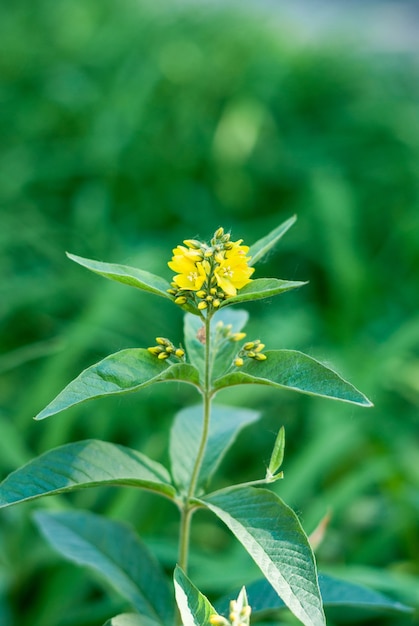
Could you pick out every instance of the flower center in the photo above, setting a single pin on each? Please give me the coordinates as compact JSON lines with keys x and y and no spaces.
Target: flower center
{"x":192,"y":276}
{"x":227,"y":271}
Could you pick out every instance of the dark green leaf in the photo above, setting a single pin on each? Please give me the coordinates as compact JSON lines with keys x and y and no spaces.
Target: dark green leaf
{"x":335,"y":593}
{"x":262,"y":246}
{"x":126,"y":275}
{"x":131,"y":619}
{"x":122,"y":372}
{"x":185,"y":437}
{"x":272,"y":535}
{"x":84,"y":464}
{"x":297,"y":371}
{"x":262,"y":288}
{"x":116,"y":553}
{"x":195,"y":609}
{"x":223,"y":350}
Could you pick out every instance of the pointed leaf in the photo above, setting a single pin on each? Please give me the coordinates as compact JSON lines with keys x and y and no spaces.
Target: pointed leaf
{"x":185,"y":438}
{"x":222,"y":349}
{"x":116,"y":553}
{"x":87,"y":463}
{"x":335,"y":593}
{"x":277,"y":455}
{"x":122,"y":372}
{"x":264,"y":245}
{"x":127,"y":275}
{"x":131,"y":619}
{"x":262,"y":288}
{"x":272,"y":535}
{"x":195,"y":609}
{"x":297,"y":371}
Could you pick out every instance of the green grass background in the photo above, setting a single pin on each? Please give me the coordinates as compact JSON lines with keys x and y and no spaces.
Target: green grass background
{"x":127,"y":127}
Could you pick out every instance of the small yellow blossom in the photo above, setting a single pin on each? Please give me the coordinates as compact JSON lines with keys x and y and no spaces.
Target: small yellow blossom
{"x":209,"y":272}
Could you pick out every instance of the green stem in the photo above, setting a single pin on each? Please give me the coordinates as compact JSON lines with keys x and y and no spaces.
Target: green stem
{"x":188,"y":507}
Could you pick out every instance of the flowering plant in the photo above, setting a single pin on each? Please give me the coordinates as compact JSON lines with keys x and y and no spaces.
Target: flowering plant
{"x":209,"y":278}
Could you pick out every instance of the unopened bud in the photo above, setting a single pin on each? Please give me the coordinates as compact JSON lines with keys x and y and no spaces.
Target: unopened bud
{"x":259,"y":347}
{"x":216,"y":303}
{"x":260,"y":357}
{"x":219,"y":233}
{"x":180,"y":353}
{"x":162,"y":341}
{"x":192,"y":243}
{"x":180,"y":300}
{"x":163,"y":355}
{"x":155,"y":350}
{"x":202,"y":305}
{"x":201,"y":293}
{"x":208,"y":254}
{"x":251,"y":354}
{"x":238,"y":362}
{"x":249,"y":345}
{"x":237,"y":336}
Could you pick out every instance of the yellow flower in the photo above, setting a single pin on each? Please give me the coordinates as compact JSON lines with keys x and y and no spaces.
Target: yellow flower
{"x":232,"y":271}
{"x":191,"y":270}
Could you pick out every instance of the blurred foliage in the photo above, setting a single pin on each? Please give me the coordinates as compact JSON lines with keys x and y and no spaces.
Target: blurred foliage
{"x":127,"y":127}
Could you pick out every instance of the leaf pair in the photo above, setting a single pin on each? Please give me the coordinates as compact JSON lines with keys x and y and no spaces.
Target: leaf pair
{"x":146,"y":281}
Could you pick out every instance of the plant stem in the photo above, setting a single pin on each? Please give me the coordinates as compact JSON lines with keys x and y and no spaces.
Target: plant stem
{"x":188,"y":506}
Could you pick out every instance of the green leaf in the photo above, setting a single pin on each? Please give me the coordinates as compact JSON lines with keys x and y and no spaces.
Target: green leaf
{"x":185,"y":437}
{"x":262,"y":246}
{"x":116,"y":553}
{"x":127,"y":275}
{"x":195,"y":609}
{"x":122,"y":372}
{"x":277,"y":455}
{"x":262,"y":288}
{"x":294,"y":370}
{"x":335,"y":593}
{"x":87,"y":463}
{"x":223,"y":350}
{"x":272,"y":535}
{"x":131,"y":619}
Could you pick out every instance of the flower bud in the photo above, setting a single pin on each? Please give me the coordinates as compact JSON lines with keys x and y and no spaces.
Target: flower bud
{"x":180,"y":300}
{"x":163,"y":355}
{"x":237,"y":336}
{"x":192,"y":243}
{"x":201,"y":293}
{"x":249,"y":345}
{"x":216,"y":303}
{"x":180,"y":353}
{"x":260,"y":357}
{"x":238,"y":362}
{"x":202,"y":305}
{"x":219,"y":233}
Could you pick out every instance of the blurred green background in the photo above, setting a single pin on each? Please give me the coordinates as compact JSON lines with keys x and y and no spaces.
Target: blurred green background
{"x":127,"y":127}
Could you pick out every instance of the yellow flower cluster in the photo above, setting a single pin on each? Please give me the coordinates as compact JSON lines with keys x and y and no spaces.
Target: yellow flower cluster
{"x":165,"y":349}
{"x":250,"y":350}
{"x":207,"y":274}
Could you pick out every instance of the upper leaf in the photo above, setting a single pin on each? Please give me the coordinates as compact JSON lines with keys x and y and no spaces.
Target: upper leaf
{"x":126,"y":275}
{"x":335,"y":593}
{"x":122,"y":372}
{"x":195,"y":609}
{"x":297,"y":371}
{"x":262,"y":246}
{"x":222,"y":350}
{"x":115,"y":551}
{"x":185,"y":438}
{"x":84,"y":464}
{"x":272,"y":535}
{"x":262,"y":288}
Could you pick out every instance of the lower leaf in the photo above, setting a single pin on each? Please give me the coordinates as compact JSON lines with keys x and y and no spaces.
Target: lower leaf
{"x":272,"y":535}
{"x":195,"y":609}
{"x":114,"y":551}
